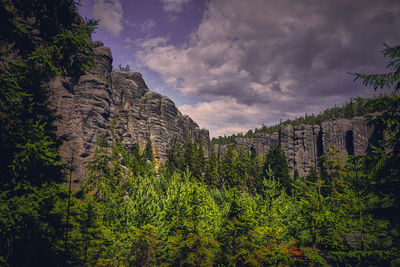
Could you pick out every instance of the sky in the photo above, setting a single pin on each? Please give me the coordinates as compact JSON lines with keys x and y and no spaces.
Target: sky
{"x":233,"y":65}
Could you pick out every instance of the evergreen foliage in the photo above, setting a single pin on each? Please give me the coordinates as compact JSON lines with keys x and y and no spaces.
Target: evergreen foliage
{"x":355,"y":107}
{"x":124,"y":69}
{"x":39,"y":39}
{"x":277,"y":162}
{"x":200,"y":208}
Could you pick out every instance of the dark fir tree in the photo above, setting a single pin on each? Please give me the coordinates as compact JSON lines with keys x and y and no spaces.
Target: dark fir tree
{"x":148,"y":152}
{"x":31,"y":172}
{"x":384,"y":164}
{"x":276,"y":160}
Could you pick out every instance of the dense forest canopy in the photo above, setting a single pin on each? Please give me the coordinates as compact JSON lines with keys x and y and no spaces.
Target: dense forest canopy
{"x":199,"y":208}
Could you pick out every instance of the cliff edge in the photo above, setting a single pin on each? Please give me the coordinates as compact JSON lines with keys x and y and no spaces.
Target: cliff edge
{"x":88,"y":105}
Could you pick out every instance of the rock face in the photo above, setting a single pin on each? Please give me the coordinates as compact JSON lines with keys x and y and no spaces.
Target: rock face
{"x":144,"y":115}
{"x":88,"y":106}
{"x":304,"y":144}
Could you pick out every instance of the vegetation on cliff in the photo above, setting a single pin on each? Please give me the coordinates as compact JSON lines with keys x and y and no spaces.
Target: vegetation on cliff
{"x":39,"y":39}
{"x":354,"y":108}
{"x":198,"y":209}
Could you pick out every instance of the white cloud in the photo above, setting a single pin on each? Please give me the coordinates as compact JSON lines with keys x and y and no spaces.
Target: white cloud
{"x":276,"y":57}
{"x":154,"y":42}
{"x":130,"y":41}
{"x":147,"y":26}
{"x":226,"y":116}
{"x":174,"y":5}
{"x":110,"y":14}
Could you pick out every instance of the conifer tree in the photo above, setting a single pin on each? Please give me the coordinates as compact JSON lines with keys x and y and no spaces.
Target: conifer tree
{"x":212,"y":176}
{"x":236,"y":225}
{"x":32,"y":177}
{"x":276,"y":159}
{"x":148,"y":152}
{"x":385,"y":161}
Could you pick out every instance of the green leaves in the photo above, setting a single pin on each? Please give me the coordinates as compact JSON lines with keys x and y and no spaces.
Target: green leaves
{"x":33,"y":51}
{"x":72,"y":51}
{"x":390,"y":79}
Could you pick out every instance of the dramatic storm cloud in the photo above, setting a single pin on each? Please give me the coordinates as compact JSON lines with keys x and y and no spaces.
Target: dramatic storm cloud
{"x":258,"y":61}
{"x":234,"y":65}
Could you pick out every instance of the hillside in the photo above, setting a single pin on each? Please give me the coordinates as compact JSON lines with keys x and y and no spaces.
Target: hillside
{"x":306,"y":139}
{"x":98,"y":170}
{"x":355,"y":108}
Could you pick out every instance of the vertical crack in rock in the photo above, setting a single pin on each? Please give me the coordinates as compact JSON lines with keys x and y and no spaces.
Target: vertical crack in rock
{"x":88,"y":106}
{"x":303,"y":145}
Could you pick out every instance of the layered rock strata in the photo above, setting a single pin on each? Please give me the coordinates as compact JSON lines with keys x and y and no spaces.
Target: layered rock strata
{"x":87,"y":107}
{"x":303,"y":145}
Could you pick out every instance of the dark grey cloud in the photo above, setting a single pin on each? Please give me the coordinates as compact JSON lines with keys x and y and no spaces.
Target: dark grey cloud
{"x":285,"y":55}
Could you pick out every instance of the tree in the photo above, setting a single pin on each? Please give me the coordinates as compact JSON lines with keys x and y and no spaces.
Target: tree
{"x":385,"y":162}
{"x":212,"y":169}
{"x":91,"y":236}
{"x":276,"y":160}
{"x":236,"y":225}
{"x":124,"y":69}
{"x":139,"y":246}
{"x":189,"y":219}
{"x":30,"y":165}
{"x":148,"y":152}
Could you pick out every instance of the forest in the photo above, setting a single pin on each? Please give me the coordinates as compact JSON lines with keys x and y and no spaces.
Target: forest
{"x":199,"y":208}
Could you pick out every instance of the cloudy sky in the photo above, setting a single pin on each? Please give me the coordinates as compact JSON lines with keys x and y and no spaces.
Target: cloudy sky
{"x":233,"y":65}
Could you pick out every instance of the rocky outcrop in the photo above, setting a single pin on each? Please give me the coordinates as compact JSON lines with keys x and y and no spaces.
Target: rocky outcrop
{"x":88,"y":105}
{"x":144,"y":115}
{"x":300,"y":145}
{"x":304,"y":144}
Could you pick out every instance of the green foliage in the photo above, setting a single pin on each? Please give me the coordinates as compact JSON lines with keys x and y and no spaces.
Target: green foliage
{"x":124,"y":69}
{"x":139,"y":246}
{"x":31,"y":172}
{"x":237,"y":222}
{"x":189,"y":221}
{"x":351,"y":109}
{"x":90,"y":236}
{"x":189,"y":155}
{"x":384,"y":163}
{"x":72,"y":50}
{"x":201,"y":208}
{"x":390,"y":79}
{"x":148,"y":152}
{"x":264,"y":247}
{"x":276,"y":161}
{"x":32,"y":52}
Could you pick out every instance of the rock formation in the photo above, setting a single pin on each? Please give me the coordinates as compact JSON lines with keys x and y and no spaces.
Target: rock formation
{"x":304,"y":144}
{"x":88,"y":105}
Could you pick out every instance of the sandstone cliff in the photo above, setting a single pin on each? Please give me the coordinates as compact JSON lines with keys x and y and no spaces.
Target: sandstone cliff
{"x":88,"y":105}
{"x":304,"y":144}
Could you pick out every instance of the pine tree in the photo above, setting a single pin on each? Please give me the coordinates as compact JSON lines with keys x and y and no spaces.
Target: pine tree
{"x":32,"y":177}
{"x":148,"y":152}
{"x":236,"y":225}
{"x":91,"y":236}
{"x":385,"y":161}
{"x":212,"y":176}
{"x":276,"y":159}
{"x":189,"y":222}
